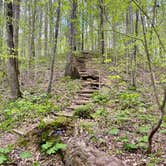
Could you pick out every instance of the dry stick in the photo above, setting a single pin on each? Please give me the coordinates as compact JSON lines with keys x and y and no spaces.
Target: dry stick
{"x":160,"y":107}
{"x":154,"y":28}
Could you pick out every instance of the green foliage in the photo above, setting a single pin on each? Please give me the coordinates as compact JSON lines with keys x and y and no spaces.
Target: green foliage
{"x":36,"y":163}
{"x":4,"y":154}
{"x":129,"y":99}
{"x":123,"y":139}
{"x":122,"y":117}
{"x":114,"y":77}
{"x":30,"y":106}
{"x":143,"y":139}
{"x":107,"y":60}
{"x":101,"y":112}
{"x":6,"y":150}
{"x":100,"y":98}
{"x":130,"y":147}
{"x":83,"y":111}
{"x":143,"y":129}
{"x":163,"y":131}
{"x":50,"y":147}
{"x":3,"y":158}
{"x":25,"y":155}
{"x":87,"y":126}
{"x":114,"y":131}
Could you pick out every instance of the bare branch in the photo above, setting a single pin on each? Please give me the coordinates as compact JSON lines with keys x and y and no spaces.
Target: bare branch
{"x":152,"y":24}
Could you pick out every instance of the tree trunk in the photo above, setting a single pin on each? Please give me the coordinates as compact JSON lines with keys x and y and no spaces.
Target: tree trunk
{"x":82,"y":28}
{"x":12,"y":67}
{"x":33,"y":28}
{"x":1,"y":26}
{"x":55,"y":47}
{"x":16,"y":16}
{"x":71,"y":69}
{"x":32,"y":15}
{"x":102,"y":47}
{"x":46,"y":31}
{"x":134,"y":59}
{"x":131,"y":49}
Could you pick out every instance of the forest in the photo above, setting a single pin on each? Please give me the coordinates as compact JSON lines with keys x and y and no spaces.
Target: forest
{"x":82,"y":82}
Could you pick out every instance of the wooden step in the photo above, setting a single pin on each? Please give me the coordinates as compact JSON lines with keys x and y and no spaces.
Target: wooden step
{"x":77,"y":98}
{"x":87,"y":91}
{"x":82,"y":102}
{"x":85,"y":77}
{"x":85,"y":95}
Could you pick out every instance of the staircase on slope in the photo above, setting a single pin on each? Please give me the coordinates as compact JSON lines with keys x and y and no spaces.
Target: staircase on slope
{"x":89,"y":74}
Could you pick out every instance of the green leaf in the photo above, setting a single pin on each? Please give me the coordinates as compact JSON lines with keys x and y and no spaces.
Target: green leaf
{"x":3,"y":158}
{"x":144,"y":129}
{"x":164,"y":118}
{"x":25,"y":155}
{"x":163,"y":131}
{"x":107,"y":60}
{"x":130,"y":147}
{"x":56,"y":147}
{"x":5,"y":150}
{"x":143,"y":139}
{"x":36,"y":163}
{"x":52,"y":150}
{"x":47,"y":145}
{"x":114,"y":131}
{"x":61,"y":146}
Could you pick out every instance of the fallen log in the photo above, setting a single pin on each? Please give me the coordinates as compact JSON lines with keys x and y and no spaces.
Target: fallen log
{"x":78,"y":154}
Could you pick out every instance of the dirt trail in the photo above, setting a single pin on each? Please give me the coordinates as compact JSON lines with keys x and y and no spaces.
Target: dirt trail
{"x":87,"y":67}
{"x":91,"y":82}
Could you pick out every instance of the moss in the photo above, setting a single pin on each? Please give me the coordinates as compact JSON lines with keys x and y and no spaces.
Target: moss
{"x":22,"y":142}
{"x":87,"y":126}
{"x":83,"y":111}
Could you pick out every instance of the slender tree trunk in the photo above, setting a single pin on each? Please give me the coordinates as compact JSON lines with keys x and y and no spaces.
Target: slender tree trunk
{"x":71,"y":69}
{"x":161,"y":107}
{"x":127,"y":43}
{"x":51,"y":27}
{"x":32,"y":19}
{"x":134,"y":58}
{"x":102,"y":44}
{"x":16,"y":11}
{"x":12,"y":69}
{"x":82,"y":28}
{"x":40,"y":17}
{"x":131,"y":50}
{"x":91,"y":31}
{"x":46,"y":31}
{"x":55,"y":47}
{"x":1,"y":26}
{"x":33,"y":28}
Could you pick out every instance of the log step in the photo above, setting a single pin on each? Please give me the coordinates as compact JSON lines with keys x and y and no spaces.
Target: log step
{"x":82,"y":102}
{"x":87,"y":91}
{"x":88,"y":95}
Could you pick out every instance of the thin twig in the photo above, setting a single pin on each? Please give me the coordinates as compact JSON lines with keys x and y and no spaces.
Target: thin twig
{"x":154,"y":28}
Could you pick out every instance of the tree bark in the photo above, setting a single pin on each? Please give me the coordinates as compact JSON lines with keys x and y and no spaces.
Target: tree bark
{"x":102,"y":44}
{"x":12,"y":62}
{"x":161,"y":107}
{"x":71,"y":69}
{"x":32,"y":18}
{"x":46,"y":31}
{"x":16,"y":11}
{"x":55,"y":47}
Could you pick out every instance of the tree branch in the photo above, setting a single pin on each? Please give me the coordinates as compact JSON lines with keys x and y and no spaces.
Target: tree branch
{"x":154,"y":28}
